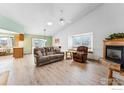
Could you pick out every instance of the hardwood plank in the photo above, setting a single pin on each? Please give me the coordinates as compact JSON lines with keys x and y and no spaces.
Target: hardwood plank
{"x":24,"y":72}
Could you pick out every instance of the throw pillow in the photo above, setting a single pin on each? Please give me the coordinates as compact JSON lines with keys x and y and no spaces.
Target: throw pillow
{"x":57,"y":49}
{"x":39,"y":53}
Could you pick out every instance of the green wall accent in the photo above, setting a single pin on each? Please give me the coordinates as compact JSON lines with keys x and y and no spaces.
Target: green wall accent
{"x":28,"y":42}
{"x":11,"y":25}
{"x":49,"y":41}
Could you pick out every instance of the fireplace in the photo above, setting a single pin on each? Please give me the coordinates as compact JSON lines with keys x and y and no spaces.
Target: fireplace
{"x":115,"y":54}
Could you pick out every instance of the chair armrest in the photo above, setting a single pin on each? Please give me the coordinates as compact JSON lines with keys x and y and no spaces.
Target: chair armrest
{"x":36,"y":56}
{"x":74,"y":52}
{"x":84,"y":54}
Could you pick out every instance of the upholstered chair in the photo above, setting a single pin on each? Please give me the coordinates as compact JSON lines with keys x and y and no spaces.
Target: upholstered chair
{"x":81,"y":54}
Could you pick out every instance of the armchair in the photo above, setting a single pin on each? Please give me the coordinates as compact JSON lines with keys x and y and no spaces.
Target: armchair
{"x":81,"y":54}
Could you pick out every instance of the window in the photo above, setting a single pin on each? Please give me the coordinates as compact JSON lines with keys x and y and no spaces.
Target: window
{"x":6,"y":42}
{"x":39,"y":43}
{"x":85,"y":39}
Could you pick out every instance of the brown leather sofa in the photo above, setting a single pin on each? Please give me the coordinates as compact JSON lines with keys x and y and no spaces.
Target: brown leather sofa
{"x":81,"y":54}
{"x":47,"y":55}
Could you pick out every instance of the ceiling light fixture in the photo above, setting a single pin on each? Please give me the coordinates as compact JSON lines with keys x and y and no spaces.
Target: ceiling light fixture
{"x":49,"y":23}
{"x":61,"y":20}
{"x":44,"y":33}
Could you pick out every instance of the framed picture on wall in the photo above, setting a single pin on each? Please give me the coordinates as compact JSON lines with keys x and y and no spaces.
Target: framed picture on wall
{"x":57,"y":40}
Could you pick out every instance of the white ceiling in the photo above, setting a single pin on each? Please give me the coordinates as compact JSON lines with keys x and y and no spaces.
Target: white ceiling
{"x":34,"y":16}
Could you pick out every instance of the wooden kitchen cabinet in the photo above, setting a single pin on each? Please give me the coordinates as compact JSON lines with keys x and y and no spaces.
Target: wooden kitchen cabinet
{"x":18,"y":52}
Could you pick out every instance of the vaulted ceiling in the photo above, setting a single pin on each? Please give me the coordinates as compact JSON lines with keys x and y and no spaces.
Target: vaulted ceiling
{"x":35,"y":16}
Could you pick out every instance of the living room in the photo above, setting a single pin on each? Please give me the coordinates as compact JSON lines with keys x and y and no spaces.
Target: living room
{"x":61,"y":44}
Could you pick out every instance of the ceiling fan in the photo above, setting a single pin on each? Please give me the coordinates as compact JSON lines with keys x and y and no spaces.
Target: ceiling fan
{"x":62,"y":19}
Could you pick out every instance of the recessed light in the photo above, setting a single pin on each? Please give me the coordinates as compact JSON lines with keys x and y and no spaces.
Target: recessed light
{"x":49,"y":23}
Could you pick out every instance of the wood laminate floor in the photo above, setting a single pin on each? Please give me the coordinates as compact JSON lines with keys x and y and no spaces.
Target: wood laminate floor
{"x":24,"y":72}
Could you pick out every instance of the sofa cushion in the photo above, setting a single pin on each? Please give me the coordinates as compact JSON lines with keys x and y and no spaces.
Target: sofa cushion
{"x":58,"y":55}
{"x":53,"y":56}
{"x":44,"y":58}
{"x":50,"y":53}
{"x":43,"y":51}
{"x":56,"y":50}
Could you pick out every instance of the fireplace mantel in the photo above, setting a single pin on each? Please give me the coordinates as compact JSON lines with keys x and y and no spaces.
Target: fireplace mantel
{"x":114,"y":42}
{"x":111,"y":43}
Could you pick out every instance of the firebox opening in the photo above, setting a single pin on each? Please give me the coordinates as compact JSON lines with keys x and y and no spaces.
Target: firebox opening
{"x":115,"y":54}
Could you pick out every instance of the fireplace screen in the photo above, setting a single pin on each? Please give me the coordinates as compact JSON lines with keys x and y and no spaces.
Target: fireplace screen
{"x":114,"y":54}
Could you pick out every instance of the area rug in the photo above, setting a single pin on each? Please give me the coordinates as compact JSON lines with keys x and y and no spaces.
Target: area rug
{"x":4,"y":77}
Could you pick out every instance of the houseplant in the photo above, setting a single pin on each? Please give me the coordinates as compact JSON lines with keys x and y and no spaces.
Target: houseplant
{"x":115,"y":36}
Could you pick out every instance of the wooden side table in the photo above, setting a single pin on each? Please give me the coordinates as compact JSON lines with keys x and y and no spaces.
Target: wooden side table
{"x":69,"y":55}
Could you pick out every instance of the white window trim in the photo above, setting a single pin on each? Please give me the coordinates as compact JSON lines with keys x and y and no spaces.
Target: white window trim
{"x":91,"y":39}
